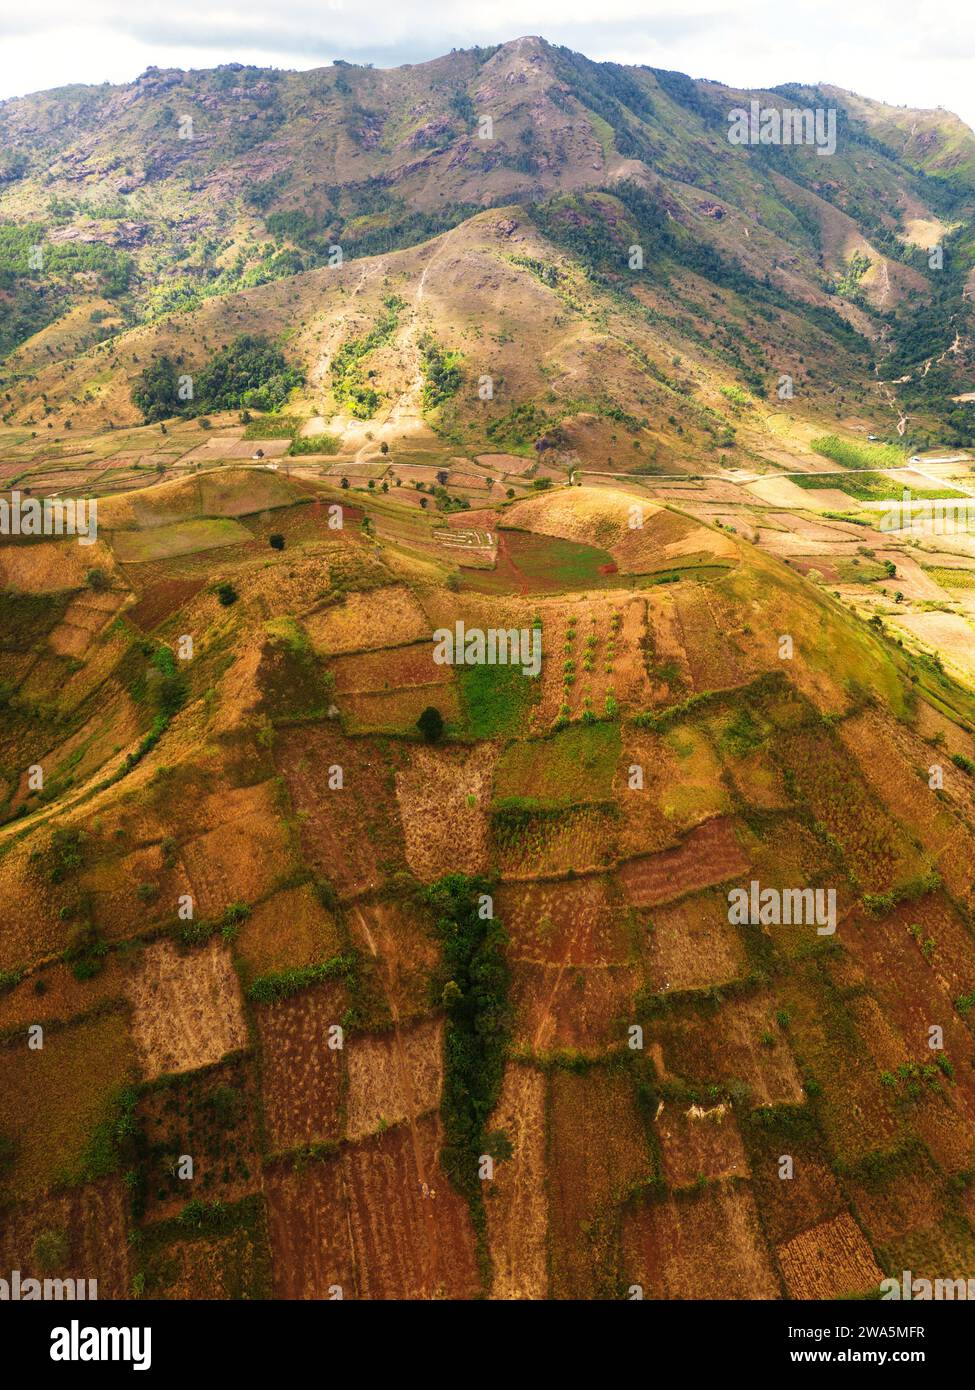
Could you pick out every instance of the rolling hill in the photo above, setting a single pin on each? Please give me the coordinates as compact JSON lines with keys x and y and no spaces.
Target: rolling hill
{"x":363,"y":973}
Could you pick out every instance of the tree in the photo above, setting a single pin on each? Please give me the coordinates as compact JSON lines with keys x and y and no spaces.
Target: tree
{"x":430,"y":724}
{"x":97,"y":579}
{"x":156,"y":393}
{"x":384,"y":447}
{"x":227,"y":594}
{"x":275,"y":540}
{"x":250,"y":371}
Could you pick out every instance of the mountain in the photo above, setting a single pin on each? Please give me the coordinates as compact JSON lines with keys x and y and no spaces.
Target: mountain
{"x":368,"y":966}
{"x":139,"y":224}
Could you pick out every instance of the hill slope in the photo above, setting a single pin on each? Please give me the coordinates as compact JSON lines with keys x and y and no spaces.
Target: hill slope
{"x":182,"y":186}
{"x":670,"y":751}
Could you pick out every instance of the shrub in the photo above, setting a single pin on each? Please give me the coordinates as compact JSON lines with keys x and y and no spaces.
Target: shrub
{"x":430,"y":724}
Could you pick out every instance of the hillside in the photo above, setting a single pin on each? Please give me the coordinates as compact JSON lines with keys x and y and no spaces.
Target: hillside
{"x":666,"y":754}
{"x":367,"y":965}
{"x":152,"y":199}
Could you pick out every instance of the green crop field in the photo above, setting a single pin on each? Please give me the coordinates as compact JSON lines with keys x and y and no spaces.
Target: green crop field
{"x":182,"y":538}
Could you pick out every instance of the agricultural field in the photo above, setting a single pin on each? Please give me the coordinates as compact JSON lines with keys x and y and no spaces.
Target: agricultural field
{"x":491,"y":814}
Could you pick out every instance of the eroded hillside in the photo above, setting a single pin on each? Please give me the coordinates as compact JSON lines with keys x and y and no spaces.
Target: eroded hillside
{"x":269,"y":778}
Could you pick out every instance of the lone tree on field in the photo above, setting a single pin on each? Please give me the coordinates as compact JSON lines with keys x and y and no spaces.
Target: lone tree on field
{"x":275,"y":540}
{"x":430,"y":724}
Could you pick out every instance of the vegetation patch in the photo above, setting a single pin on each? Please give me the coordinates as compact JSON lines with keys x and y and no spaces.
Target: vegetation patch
{"x":473,"y":982}
{"x":349,"y":384}
{"x":851,"y":455}
{"x":574,"y":766}
{"x":495,"y":699}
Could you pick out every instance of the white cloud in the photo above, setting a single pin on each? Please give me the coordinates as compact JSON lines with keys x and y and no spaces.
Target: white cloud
{"x":900,"y":51}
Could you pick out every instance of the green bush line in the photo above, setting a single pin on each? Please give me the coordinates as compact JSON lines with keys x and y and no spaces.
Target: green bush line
{"x":658,"y":720}
{"x":282,"y":984}
{"x":473,"y":979}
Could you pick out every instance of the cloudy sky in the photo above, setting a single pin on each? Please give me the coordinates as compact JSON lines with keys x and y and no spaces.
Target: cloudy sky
{"x":909,"y":52}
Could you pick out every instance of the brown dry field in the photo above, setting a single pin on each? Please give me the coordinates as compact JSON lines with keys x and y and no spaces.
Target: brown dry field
{"x":724,"y":1044}
{"x":84,"y":618}
{"x":897,"y":766}
{"x":243,"y":857}
{"x":694,"y":1147}
{"x":784,"y":853}
{"x":390,"y":668}
{"x":114,"y":881}
{"x":596,"y":1152}
{"x":308,"y":1229}
{"x":44,"y":567}
{"x":516,"y":1201}
{"x":357,"y":849}
{"x":582,"y":838}
{"x":943,"y":1251}
{"x":392,"y":1076}
{"x":397,"y":936}
{"x":829,"y":1261}
{"x":708,"y":1245}
{"x":692,"y":945}
{"x":790,"y":1206}
{"x":186,"y":1007}
{"x":913,"y":991}
{"x":712,"y":657}
{"x":579,"y":921}
{"x":289,"y":929}
{"x":593,"y":615}
{"x":588,"y":1008}
{"x":209,"y":1267}
{"x":385,"y":617}
{"x":709,"y":855}
{"x":666,"y":645}
{"x":681,"y":788}
{"x":31,"y":929}
{"x":63,"y":998}
{"x":396,"y":711}
{"x":442,"y":796}
{"x":407,"y":1245}
{"x":909,"y":1199}
{"x":877,"y":848}
{"x":857,"y":1113}
{"x":161,"y":599}
{"x":94,"y":1221}
{"x":302,"y":1078}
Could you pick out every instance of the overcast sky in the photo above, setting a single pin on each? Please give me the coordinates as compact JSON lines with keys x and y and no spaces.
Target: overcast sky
{"x":909,"y":52}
